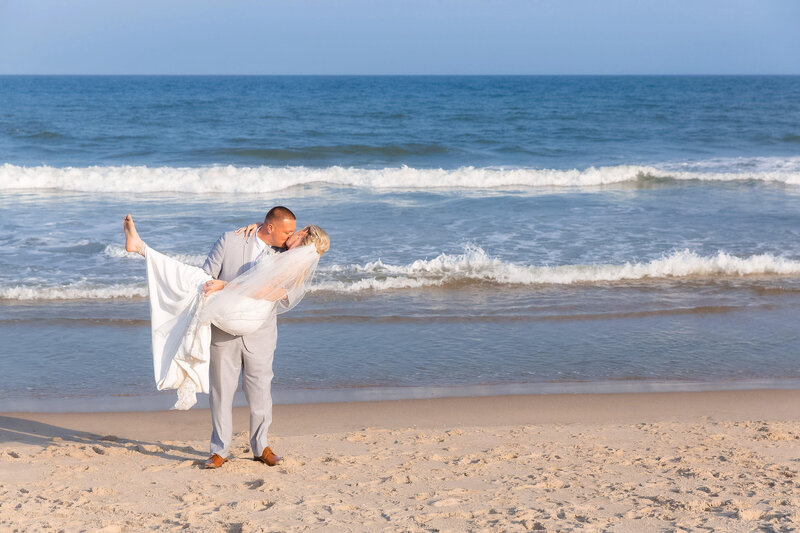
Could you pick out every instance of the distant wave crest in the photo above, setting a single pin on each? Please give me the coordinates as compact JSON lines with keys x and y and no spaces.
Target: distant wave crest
{"x":230,"y":179}
{"x":472,"y":266}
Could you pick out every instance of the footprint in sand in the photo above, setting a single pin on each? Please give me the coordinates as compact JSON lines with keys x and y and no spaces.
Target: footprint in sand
{"x":255,"y":484}
{"x":398,"y":479}
{"x":292,"y":461}
{"x":189,"y":497}
{"x":447,"y":502}
{"x":356,"y":437}
{"x":149,"y":448}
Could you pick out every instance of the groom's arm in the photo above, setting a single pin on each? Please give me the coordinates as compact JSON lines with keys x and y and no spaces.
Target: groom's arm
{"x":213,"y":264}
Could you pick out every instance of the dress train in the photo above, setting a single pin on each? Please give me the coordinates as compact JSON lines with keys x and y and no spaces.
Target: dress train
{"x":181,"y":340}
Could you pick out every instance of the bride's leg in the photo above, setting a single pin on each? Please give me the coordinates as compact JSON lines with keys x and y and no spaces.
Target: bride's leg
{"x":133,"y":243}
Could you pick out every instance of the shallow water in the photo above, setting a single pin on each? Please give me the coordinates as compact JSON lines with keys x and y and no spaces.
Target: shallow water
{"x":567,"y":233}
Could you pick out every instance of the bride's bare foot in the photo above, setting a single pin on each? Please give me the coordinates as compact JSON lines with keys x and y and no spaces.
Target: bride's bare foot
{"x":133,"y":243}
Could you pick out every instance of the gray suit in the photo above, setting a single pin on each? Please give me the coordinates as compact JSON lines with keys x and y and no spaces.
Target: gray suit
{"x":232,"y":255}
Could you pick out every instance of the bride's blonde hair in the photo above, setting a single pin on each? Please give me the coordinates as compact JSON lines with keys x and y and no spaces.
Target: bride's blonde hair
{"x":317,"y":236}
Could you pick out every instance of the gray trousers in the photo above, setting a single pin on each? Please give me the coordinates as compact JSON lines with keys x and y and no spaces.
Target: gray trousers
{"x":228,"y":358}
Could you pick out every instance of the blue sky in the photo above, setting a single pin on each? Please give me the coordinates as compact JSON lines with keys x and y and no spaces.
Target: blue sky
{"x":399,"y":37}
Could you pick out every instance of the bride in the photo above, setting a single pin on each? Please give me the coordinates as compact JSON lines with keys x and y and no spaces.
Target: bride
{"x":181,"y":314}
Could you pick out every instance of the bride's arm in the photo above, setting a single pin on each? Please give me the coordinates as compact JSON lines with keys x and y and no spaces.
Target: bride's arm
{"x":275,"y":291}
{"x":271,"y":293}
{"x":248,"y":230}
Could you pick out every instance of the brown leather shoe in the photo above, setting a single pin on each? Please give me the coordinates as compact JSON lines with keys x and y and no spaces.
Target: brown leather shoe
{"x":215,"y":461}
{"x":268,"y":457}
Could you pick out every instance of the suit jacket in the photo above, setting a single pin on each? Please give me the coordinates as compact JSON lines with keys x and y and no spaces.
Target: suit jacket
{"x":231,"y":256}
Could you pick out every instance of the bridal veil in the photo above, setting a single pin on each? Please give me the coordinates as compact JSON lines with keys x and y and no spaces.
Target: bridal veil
{"x":181,"y":316}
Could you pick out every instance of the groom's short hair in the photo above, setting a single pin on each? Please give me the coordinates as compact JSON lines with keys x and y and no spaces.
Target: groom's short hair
{"x":279,"y":213}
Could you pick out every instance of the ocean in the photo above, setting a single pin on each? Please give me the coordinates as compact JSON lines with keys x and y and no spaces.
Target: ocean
{"x":489,"y":234}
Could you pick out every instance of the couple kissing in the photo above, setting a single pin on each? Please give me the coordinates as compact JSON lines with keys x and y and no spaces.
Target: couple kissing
{"x":211,"y":324}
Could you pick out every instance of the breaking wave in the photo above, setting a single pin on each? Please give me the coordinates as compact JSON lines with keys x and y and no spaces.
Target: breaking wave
{"x":472,"y":266}
{"x":475,"y":265}
{"x":230,"y":179}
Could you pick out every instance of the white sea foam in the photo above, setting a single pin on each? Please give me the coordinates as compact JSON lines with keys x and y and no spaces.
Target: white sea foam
{"x":74,"y":291}
{"x":474,"y":265}
{"x":229,"y":179}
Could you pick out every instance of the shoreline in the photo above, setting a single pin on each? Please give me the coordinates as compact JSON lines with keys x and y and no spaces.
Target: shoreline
{"x":163,"y":400}
{"x":484,"y":411}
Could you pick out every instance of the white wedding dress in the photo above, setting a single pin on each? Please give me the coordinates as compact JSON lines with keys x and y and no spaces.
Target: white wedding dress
{"x":181,"y":316}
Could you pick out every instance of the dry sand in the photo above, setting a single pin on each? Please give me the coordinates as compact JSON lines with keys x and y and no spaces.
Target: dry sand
{"x":710,"y":461}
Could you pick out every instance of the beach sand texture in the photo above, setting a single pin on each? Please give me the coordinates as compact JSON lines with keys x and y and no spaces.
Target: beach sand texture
{"x":710,"y":461}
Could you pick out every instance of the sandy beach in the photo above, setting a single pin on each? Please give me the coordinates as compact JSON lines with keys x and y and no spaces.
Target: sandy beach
{"x":712,"y":461}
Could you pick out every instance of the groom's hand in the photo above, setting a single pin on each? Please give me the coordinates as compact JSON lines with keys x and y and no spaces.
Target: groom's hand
{"x":213,"y":286}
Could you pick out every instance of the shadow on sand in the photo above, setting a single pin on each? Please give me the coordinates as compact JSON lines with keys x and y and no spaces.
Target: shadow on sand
{"x":23,"y":431}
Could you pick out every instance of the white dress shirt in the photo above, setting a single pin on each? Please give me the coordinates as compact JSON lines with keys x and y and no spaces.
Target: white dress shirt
{"x":259,"y":247}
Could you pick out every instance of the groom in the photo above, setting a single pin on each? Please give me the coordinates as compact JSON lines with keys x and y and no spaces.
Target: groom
{"x":230,"y":354}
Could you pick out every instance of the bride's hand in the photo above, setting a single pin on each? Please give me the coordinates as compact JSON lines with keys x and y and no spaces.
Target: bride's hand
{"x":248,"y":230}
{"x":295,"y":238}
{"x":213,"y":286}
